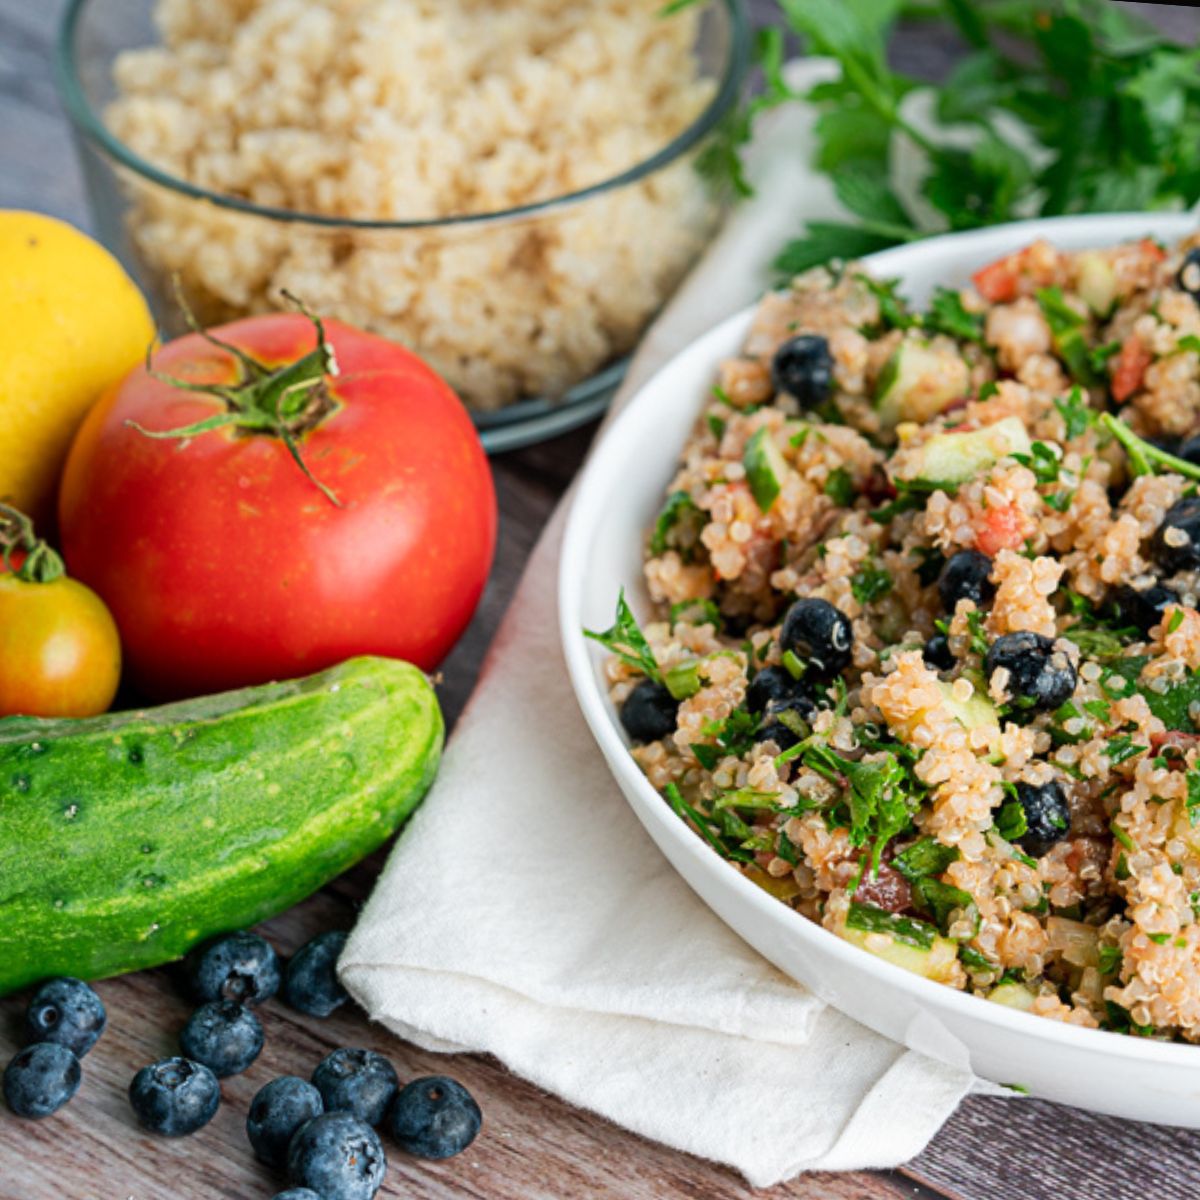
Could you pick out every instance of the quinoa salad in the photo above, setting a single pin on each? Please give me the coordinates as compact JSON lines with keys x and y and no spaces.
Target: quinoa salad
{"x":923,"y":655}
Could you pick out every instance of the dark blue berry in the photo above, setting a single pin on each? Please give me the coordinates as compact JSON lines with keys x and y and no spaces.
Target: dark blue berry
{"x":278,"y":1109}
{"x":819,"y":635}
{"x":1188,"y":450}
{"x":1040,"y":675}
{"x":966,"y":577}
{"x":41,"y":1079}
{"x":1142,"y":609}
{"x":1176,"y":542}
{"x":649,"y":712}
{"x":803,"y":367}
{"x":774,"y":688}
{"x":937,"y":653}
{"x":224,"y":1036}
{"x":68,"y":1012}
{"x":338,"y":1156}
{"x":1047,"y":816}
{"x":777,"y":732}
{"x":434,"y":1117}
{"x":242,"y":967}
{"x":310,"y":982}
{"x":297,"y":1194}
{"x":174,"y":1097}
{"x":356,"y":1081}
{"x":1187,"y":278}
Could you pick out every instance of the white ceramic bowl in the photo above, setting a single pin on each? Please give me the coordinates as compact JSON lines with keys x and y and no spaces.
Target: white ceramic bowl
{"x":619,"y":494}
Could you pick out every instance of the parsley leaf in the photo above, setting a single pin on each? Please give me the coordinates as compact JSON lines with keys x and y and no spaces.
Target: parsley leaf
{"x":1077,"y":415}
{"x":626,"y":640}
{"x":869,"y":583}
{"x":839,"y":487}
{"x":948,"y":315}
{"x":680,"y":509}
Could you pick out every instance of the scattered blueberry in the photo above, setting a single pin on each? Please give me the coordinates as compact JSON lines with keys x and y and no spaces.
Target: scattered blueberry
{"x":41,"y":1079}
{"x":1188,"y":277}
{"x":278,"y":1109}
{"x":1040,"y":674}
{"x":803,"y":368}
{"x":68,"y":1012}
{"x":296,"y":1194}
{"x":338,"y":1156}
{"x":1176,"y":542}
{"x":1141,"y":609}
{"x":1047,"y":816}
{"x":310,"y":982}
{"x":777,"y":732}
{"x":239,"y":966}
{"x":434,"y":1117}
{"x":649,"y":712}
{"x":174,"y":1097}
{"x":1188,"y":450}
{"x":224,"y":1036}
{"x":937,"y":653}
{"x":966,"y":576}
{"x":774,"y":688}
{"x":356,"y":1081}
{"x":819,"y":635}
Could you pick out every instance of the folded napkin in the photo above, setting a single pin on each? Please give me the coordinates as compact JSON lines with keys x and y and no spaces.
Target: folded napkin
{"x":526,"y":914}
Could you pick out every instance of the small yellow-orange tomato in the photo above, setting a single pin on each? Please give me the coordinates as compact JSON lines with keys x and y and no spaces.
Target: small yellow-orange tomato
{"x":60,"y":655}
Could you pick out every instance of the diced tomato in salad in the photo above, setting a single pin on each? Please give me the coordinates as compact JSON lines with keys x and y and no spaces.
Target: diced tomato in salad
{"x":1129,"y":368}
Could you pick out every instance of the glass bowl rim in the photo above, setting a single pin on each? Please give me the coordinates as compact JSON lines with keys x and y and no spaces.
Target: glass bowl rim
{"x":88,"y":123}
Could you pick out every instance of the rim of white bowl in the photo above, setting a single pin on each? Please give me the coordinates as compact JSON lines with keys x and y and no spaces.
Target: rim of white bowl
{"x":603,"y":472}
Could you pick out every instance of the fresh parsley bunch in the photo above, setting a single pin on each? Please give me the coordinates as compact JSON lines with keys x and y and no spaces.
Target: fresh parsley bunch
{"x":1072,"y":106}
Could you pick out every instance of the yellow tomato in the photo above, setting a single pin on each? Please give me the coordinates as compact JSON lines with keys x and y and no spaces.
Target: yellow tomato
{"x":73,"y":325}
{"x":59,"y":651}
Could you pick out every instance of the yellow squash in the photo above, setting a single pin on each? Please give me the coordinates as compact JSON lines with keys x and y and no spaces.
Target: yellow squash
{"x":71,"y":324}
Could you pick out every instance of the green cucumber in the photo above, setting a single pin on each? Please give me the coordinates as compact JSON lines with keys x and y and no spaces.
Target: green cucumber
{"x":766,"y":468}
{"x":916,"y":384}
{"x":1096,"y":282}
{"x":950,"y":459}
{"x":125,"y":839}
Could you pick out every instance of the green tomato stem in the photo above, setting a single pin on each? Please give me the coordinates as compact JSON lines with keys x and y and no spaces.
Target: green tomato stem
{"x":42,"y":563}
{"x":283,"y":402}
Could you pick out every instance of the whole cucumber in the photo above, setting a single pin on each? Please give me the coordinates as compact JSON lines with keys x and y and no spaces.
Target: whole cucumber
{"x":127,"y":838}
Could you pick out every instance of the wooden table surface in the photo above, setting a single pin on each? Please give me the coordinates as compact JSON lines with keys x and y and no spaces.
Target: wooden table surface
{"x":533,"y":1146}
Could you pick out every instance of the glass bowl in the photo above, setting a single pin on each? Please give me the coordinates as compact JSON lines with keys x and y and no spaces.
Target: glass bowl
{"x":528,"y":312}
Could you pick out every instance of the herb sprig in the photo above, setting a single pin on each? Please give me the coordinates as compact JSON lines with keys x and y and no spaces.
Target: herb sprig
{"x":1073,"y":106}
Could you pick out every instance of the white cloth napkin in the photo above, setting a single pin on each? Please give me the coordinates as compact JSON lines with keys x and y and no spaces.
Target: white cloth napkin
{"x":525,"y":913}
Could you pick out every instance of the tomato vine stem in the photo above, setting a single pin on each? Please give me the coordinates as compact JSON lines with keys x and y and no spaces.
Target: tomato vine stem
{"x":283,"y":402}
{"x":41,"y":563}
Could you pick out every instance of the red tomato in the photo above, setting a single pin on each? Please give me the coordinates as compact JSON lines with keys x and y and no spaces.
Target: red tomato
{"x":1129,"y":368}
{"x":1003,"y":529}
{"x":997,"y":282}
{"x":225,"y":565}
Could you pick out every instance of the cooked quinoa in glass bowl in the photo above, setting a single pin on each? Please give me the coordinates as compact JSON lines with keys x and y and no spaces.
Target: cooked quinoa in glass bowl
{"x":924,"y":662}
{"x":509,"y":189}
